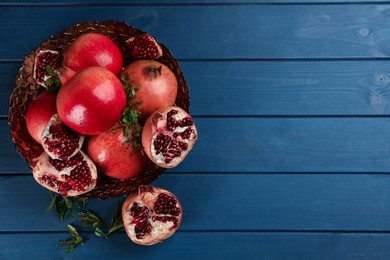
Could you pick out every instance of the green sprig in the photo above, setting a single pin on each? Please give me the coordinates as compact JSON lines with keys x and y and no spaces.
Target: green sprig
{"x":65,"y":207}
{"x":73,"y":242}
{"x":92,"y":220}
{"x":53,"y":82}
{"x":131,"y":114}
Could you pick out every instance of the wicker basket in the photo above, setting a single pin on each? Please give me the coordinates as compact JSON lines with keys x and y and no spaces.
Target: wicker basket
{"x":26,"y":89}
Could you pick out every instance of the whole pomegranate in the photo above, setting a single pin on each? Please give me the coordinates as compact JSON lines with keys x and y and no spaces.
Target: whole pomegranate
{"x":71,"y":177}
{"x":168,"y":135}
{"x":157,"y":85}
{"x":93,"y":49}
{"x":92,"y":101}
{"x":39,"y":112}
{"x":114,"y":154}
{"x":151,"y":215}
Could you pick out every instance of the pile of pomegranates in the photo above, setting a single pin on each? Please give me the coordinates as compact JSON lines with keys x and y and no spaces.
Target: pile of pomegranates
{"x":100,"y":115}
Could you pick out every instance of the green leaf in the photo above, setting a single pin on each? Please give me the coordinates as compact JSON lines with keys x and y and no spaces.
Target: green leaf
{"x":116,"y":221}
{"x":65,"y":207}
{"x":71,"y":243}
{"x":89,"y":219}
{"x":50,"y":71}
{"x":99,"y":232}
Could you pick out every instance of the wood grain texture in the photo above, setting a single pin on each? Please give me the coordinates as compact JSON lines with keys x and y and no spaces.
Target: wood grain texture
{"x":230,"y":202}
{"x":256,"y":88}
{"x":272,"y":145}
{"x":291,"y":102}
{"x":216,"y":32}
{"x":224,"y":245}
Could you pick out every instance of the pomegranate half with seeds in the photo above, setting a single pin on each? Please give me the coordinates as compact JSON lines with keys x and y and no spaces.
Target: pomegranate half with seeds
{"x":168,"y":136}
{"x":143,"y":46}
{"x":151,"y":215}
{"x":71,"y":177}
{"x":59,"y":141}
{"x":43,"y":59}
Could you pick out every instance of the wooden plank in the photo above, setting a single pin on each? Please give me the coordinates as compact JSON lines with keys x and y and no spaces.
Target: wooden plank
{"x":271,"y":145}
{"x":233,"y":202}
{"x":228,"y":31}
{"x":225,"y":245}
{"x":184,"y":2}
{"x":272,"y":88}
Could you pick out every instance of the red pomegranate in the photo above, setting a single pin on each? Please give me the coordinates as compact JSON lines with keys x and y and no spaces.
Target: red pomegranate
{"x":168,"y":136}
{"x":92,"y":101}
{"x":92,"y":49}
{"x":39,"y":112}
{"x":151,"y":215}
{"x":157,"y":85}
{"x":114,"y":154}
{"x":65,"y":74}
{"x":71,"y":177}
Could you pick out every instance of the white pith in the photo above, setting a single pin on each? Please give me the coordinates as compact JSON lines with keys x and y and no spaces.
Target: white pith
{"x":159,"y":230}
{"x":44,"y":168}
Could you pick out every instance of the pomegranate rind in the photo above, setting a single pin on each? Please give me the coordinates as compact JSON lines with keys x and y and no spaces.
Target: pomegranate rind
{"x":155,"y":124}
{"x":92,"y":101}
{"x":146,"y":196}
{"x":39,"y":113}
{"x":153,"y":93}
{"x":93,"y":49}
{"x":114,"y":154}
{"x":42,"y":167}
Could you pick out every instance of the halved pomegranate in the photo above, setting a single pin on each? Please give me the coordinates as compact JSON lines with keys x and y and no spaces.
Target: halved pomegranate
{"x":71,"y":177}
{"x":43,"y":59}
{"x":143,"y":46}
{"x":59,"y":141}
{"x":151,"y":215}
{"x":168,"y":135}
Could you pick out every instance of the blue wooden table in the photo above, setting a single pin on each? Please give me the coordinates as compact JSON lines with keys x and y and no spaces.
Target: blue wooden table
{"x":291,"y":100}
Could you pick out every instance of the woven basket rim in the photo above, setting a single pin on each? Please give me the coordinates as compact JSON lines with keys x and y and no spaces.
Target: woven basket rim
{"x":26,"y":89}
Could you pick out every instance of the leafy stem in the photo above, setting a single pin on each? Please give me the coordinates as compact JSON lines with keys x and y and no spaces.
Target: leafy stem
{"x":65,"y":207}
{"x":53,"y":81}
{"x":92,"y":220}
{"x":130,"y":114}
{"x":72,"y":242}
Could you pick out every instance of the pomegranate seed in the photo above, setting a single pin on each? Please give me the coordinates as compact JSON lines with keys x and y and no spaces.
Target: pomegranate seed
{"x":61,"y":164}
{"x":166,"y":204}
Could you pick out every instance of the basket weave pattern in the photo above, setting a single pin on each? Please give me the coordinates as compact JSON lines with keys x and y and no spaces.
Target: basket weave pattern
{"x":26,"y":89}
